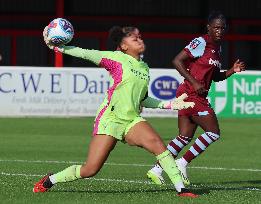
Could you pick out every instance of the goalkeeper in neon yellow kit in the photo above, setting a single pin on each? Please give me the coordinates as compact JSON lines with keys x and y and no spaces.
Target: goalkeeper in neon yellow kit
{"x":118,"y":118}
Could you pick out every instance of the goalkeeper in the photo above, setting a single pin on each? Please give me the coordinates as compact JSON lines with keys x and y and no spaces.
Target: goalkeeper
{"x":118,"y":118}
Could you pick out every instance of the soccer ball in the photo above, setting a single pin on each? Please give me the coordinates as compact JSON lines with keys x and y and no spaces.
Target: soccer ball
{"x":60,"y":31}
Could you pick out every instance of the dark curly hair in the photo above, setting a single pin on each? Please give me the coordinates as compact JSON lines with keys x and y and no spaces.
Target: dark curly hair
{"x":117,"y":33}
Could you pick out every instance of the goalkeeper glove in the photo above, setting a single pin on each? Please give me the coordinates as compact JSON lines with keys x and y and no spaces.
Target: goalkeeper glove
{"x":177,"y":103}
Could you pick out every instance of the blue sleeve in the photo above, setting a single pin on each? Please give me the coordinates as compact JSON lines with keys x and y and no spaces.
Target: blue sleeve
{"x":196,"y":47}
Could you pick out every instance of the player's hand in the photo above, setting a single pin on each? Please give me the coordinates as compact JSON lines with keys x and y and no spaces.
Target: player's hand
{"x":199,"y":88}
{"x":49,"y":43}
{"x":239,"y":66}
{"x":178,"y":103}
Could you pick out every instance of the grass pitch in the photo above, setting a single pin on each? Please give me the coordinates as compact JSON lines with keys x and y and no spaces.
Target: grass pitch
{"x":228,"y":172}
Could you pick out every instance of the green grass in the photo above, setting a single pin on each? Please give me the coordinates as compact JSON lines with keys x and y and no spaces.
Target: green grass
{"x":31,"y":147}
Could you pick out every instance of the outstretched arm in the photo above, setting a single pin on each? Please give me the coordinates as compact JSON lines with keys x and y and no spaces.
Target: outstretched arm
{"x":176,"y":104}
{"x":238,"y":66}
{"x":94,"y":56}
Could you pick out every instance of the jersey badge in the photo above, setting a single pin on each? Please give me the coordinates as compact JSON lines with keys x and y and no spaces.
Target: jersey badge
{"x":194,"y":43}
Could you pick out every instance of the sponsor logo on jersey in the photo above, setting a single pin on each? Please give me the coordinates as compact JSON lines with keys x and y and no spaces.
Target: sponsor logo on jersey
{"x":194,"y":43}
{"x":165,"y":87}
{"x":215,"y":63}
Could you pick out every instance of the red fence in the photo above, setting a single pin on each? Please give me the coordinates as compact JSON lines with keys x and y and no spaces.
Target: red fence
{"x":137,"y":21}
{"x":101,"y":36}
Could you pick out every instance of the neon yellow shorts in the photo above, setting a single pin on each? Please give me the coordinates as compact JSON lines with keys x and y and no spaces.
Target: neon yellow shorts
{"x":113,"y":126}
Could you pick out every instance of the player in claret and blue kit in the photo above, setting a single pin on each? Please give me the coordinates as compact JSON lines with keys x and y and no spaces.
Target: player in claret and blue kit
{"x":199,"y":63}
{"x":118,"y":118}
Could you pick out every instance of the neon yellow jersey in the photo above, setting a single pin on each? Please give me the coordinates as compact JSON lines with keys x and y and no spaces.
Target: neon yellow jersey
{"x":129,"y":80}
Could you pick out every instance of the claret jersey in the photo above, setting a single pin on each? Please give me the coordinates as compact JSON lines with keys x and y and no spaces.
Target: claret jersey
{"x":204,"y":62}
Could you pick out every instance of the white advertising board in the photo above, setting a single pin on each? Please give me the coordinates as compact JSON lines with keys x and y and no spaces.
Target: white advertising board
{"x":41,"y":91}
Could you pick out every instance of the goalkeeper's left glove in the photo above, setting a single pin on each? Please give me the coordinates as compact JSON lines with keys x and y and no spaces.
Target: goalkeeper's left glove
{"x":177,"y":104}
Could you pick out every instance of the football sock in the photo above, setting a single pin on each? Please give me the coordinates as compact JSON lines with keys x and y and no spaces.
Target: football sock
{"x":200,"y":145}
{"x":177,"y":144}
{"x":69,"y":174}
{"x":168,"y":164}
{"x":183,"y":161}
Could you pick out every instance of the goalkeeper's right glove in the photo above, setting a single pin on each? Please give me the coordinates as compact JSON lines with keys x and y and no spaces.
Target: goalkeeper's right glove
{"x":49,"y":43}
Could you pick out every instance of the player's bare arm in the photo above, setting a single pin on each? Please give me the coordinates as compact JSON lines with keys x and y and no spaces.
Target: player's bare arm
{"x":238,"y":66}
{"x":179,"y":63}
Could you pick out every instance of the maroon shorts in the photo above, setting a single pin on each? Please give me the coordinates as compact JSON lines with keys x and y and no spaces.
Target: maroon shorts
{"x":201,"y":108}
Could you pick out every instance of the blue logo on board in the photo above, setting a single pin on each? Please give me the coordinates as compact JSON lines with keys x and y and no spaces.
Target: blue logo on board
{"x":165,"y":87}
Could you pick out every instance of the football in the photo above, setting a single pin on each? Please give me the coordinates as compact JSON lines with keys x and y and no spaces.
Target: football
{"x":60,"y":31}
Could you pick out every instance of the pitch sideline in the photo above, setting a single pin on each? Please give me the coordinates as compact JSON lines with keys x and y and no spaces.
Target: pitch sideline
{"x":120,"y":164}
{"x":139,"y":182}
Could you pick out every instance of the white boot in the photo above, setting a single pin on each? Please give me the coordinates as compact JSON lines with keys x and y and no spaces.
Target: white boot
{"x":182,"y":166}
{"x":155,"y":175}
